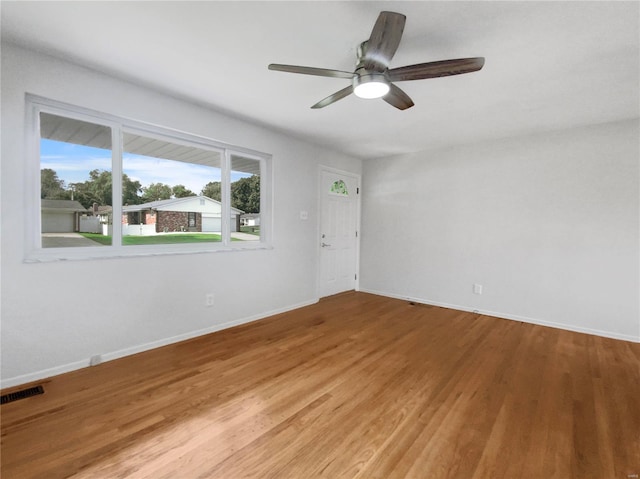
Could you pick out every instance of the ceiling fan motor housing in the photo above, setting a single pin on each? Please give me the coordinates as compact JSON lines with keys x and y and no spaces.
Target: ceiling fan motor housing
{"x":368,"y":83}
{"x":362,"y":50}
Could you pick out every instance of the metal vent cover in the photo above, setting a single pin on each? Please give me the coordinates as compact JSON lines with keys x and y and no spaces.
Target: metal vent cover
{"x":22,"y":394}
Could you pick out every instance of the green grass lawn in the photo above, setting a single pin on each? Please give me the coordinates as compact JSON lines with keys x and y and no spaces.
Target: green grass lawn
{"x":159,"y":239}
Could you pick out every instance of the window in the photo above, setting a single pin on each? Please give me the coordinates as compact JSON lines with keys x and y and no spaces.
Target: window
{"x":164,"y":191}
{"x":339,"y":187}
{"x":75,"y":181}
{"x":112,"y":187}
{"x":245,"y":197}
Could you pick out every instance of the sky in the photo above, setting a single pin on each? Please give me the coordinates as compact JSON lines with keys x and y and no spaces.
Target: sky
{"x":73,"y":162}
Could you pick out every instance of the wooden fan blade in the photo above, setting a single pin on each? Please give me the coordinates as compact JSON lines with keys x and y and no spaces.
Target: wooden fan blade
{"x":339,"y":95}
{"x":384,"y":41}
{"x":436,"y":69}
{"x":398,"y":98}
{"x":321,"y":72}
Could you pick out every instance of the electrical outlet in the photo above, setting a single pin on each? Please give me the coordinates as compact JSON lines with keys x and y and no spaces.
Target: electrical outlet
{"x":477,"y":288}
{"x":208,"y":299}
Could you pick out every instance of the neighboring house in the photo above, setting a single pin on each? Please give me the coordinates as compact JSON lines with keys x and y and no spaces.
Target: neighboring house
{"x":193,"y":213}
{"x":98,"y":222}
{"x":61,"y":216}
{"x":104,"y":213}
{"x":250,"y":219}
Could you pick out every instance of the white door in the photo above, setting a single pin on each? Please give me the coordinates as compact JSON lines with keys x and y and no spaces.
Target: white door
{"x":338,"y":232}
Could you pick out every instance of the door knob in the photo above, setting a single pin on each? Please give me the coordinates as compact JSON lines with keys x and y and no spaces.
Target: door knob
{"x":324,"y":245}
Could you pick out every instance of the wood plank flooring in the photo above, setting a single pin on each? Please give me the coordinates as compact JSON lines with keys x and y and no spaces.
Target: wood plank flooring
{"x":356,"y":386}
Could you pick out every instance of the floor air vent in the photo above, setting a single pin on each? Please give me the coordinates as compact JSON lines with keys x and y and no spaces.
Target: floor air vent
{"x":24,"y":393}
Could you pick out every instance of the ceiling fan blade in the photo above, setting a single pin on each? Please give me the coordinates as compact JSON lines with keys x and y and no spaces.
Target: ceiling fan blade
{"x":384,"y":41}
{"x":339,"y":95}
{"x":398,"y":98}
{"x":436,"y":69}
{"x":321,"y":72}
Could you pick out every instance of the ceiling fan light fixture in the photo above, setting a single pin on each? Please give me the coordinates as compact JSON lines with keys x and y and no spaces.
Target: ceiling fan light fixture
{"x":370,"y":85}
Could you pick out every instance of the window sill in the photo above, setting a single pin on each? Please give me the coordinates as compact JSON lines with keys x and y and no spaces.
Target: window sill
{"x":47,"y":255}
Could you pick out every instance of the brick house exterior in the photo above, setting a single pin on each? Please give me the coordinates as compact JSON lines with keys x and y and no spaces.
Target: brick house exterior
{"x":194,"y":213}
{"x":178,"y":221}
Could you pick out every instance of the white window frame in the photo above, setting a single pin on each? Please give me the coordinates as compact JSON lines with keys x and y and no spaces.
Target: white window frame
{"x":34,"y":252}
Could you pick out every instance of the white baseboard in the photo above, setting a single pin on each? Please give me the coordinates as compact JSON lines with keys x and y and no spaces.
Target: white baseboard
{"x":513,"y":317}
{"x":45,"y":373}
{"x":65,"y":368}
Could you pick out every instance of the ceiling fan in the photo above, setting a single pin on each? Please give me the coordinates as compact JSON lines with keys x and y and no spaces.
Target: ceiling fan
{"x":372,"y":77}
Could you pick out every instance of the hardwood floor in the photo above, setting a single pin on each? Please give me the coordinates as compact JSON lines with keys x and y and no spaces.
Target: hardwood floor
{"x":357,"y":386}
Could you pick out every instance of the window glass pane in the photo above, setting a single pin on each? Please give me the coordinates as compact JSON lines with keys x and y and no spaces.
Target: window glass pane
{"x":245,"y":199}
{"x":339,"y":187}
{"x":75,"y":182}
{"x":171,"y":192}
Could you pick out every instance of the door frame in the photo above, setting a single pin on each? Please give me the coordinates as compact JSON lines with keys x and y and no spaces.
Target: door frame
{"x":358,"y":177}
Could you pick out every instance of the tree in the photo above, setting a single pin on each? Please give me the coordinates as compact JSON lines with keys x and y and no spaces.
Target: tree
{"x":130,"y":191}
{"x":155,"y":192}
{"x":245,"y":194}
{"x":97,"y":189}
{"x":52,"y":187}
{"x":212,"y":190}
{"x":181,"y":191}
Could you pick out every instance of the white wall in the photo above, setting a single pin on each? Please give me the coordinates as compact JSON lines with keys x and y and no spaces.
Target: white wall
{"x":549,"y":225}
{"x":50,"y":319}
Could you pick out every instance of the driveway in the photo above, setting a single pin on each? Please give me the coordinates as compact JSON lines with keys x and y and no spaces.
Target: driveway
{"x":65,"y":240}
{"x":244,"y":236}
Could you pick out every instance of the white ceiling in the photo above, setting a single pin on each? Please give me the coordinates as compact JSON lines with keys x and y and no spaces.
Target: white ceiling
{"x":549,"y":65}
